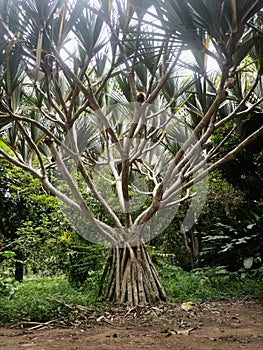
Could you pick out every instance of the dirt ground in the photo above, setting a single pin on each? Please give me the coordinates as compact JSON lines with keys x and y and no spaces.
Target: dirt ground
{"x":207,"y":326}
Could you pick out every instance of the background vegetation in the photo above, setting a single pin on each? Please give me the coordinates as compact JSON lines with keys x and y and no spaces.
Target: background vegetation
{"x":221,"y":258}
{"x":41,"y":256}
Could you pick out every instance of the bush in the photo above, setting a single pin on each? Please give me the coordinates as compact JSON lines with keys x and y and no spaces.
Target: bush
{"x":236,"y":243}
{"x":29,"y":300}
{"x":8,"y":285}
{"x":86,"y":261}
{"x":207,"y":284}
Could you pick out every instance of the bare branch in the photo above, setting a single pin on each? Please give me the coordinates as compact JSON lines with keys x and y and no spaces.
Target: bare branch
{"x":192,"y":139}
{"x":77,"y":195}
{"x":34,"y":146}
{"x":241,"y":104}
{"x":232,"y":154}
{"x":163,"y":80}
{"x":21,"y":164}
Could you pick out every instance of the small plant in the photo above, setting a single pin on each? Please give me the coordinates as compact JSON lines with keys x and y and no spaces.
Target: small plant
{"x":237,"y":244}
{"x":85,"y":261}
{"x":8,"y":285}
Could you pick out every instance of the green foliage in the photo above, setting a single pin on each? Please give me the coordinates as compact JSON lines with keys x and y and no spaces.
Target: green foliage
{"x":47,"y":87}
{"x":235,"y":243}
{"x":29,"y":301}
{"x":31,"y":223}
{"x":8,"y":285}
{"x":226,"y":233}
{"x":209,"y":284}
{"x":42,"y":241}
{"x":85,"y":261}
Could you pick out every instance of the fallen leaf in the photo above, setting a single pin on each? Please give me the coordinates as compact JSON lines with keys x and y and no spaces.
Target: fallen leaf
{"x":179,"y":332}
{"x":188,"y":306}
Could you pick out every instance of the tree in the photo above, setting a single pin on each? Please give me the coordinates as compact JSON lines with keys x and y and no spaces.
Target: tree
{"x":31,"y":225}
{"x":16,"y":206}
{"x":98,"y":94}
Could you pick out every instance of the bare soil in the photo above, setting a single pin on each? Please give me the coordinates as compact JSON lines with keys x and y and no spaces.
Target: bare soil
{"x":207,"y":326}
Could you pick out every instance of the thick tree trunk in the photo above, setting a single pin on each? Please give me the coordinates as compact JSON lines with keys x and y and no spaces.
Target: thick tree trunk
{"x":132,"y":277}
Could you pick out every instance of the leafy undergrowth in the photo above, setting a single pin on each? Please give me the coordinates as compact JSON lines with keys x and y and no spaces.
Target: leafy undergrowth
{"x":211,"y":284}
{"x":42,"y":300}
{"x":31,"y":300}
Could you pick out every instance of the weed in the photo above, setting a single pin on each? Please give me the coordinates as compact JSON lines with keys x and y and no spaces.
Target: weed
{"x":28,"y":302}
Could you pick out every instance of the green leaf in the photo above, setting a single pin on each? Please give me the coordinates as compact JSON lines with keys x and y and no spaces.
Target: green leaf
{"x":248,"y":262}
{"x":8,"y":254}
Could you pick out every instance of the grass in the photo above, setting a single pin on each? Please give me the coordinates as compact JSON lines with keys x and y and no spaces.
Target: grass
{"x":209,"y":285}
{"x":28,"y":302}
